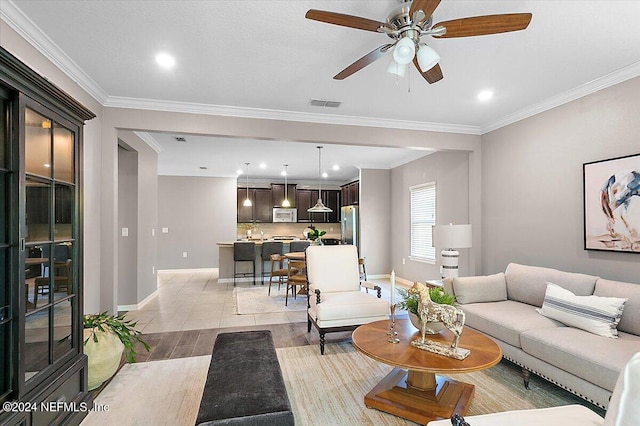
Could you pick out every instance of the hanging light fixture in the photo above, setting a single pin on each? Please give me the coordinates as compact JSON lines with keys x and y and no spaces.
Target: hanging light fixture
{"x":285,"y":202}
{"x":427,"y":57}
{"x":319,"y":207}
{"x":247,"y":201}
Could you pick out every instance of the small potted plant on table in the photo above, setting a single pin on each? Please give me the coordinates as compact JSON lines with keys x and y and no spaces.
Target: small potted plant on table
{"x":409,"y":302}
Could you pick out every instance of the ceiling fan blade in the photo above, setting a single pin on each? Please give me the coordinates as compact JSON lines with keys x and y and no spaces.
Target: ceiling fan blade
{"x":344,"y":20}
{"x":483,"y":25}
{"x":427,"y":6}
{"x":367,"y":59}
{"x":432,"y":75}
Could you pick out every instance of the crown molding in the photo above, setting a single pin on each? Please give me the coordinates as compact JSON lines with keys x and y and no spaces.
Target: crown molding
{"x":149,"y":140}
{"x":270,"y":114}
{"x":28,"y":30}
{"x":611,"y":79}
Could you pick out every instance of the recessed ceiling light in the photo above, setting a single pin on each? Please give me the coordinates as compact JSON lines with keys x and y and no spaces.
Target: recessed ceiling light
{"x":263,"y":166}
{"x":485,"y":95}
{"x":325,"y":175}
{"x":336,"y":167}
{"x":239,"y":171}
{"x":165,"y":60}
{"x":283,"y":173}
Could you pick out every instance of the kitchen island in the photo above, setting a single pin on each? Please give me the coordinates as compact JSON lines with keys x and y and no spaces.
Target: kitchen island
{"x":225,"y":250}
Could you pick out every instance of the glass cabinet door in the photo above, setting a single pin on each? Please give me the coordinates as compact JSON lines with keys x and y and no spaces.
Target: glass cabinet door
{"x":6,"y":320}
{"x":50,"y":233}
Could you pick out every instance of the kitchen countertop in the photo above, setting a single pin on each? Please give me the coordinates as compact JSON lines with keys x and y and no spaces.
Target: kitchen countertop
{"x":258,"y":242}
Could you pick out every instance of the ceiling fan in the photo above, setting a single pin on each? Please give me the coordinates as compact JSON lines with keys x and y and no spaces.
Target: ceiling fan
{"x":406,"y":24}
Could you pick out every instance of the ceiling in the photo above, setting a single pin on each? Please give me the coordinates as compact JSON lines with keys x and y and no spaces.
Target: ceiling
{"x":245,"y":57}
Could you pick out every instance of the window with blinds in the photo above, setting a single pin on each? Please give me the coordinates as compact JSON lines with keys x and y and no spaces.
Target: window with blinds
{"x":423,"y":217}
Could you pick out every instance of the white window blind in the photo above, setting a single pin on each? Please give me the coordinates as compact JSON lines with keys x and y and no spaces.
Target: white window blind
{"x":423,"y":217}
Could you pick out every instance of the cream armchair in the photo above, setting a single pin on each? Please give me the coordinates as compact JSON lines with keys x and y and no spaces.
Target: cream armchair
{"x":336,"y":302}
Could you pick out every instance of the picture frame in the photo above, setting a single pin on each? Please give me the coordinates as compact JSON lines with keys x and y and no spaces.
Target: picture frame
{"x":612,"y":204}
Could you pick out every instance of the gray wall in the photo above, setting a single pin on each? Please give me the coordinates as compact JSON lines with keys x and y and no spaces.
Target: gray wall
{"x":127,"y":218}
{"x":375,"y":220}
{"x":532,"y":183}
{"x":146,"y":220}
{"x":450,"y":171}
{"x":199,"y":212}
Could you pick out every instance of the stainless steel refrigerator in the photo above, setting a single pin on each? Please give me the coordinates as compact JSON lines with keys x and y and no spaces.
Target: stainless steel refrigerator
{"x":349,"y":226}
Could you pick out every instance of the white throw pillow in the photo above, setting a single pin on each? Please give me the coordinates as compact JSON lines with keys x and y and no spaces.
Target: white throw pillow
{"x":595,"y":314}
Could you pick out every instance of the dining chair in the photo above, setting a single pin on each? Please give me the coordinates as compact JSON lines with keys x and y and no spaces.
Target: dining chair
{"x":269,"y":248}
{"x":277,"y":270}
{"x":296,"y":277}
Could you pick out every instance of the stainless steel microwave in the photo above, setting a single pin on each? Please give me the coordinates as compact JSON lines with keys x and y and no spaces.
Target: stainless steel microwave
{"x":285,"y":215}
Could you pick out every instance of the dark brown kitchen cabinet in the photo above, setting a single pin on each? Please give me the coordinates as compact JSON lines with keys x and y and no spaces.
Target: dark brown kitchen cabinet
{"x":260,"y":210}
{"x":277,"y":194}
{"x":263,"y":207}
{"x":350,"y":193}
{"x":305,"y":199}
{"x":331,"y":199}
{"x":41,"y":288}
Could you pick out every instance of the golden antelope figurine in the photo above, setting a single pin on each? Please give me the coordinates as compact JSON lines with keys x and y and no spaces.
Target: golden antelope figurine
{"x":429,"y":311}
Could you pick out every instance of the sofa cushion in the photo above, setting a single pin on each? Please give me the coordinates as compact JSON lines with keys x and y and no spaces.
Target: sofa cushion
{"x":624,"y":408}
{"x":595,"y":314}
{"x":630,"y":321}
{"x":505,"y":320}
{"x":347,"y":305}
{"x":528,"y":284}
{"x":489,"y":288}
{"x":594,"y":358}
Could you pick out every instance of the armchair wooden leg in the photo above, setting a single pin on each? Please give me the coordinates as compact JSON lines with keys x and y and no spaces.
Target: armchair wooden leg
{"x":322,"y":341}
{"x":308,"y":325}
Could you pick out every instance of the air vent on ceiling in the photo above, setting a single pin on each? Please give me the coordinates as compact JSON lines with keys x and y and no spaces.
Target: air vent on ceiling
{"x":327,"y":104}
{"x":180,"y":139}
{"x":203,"y":168}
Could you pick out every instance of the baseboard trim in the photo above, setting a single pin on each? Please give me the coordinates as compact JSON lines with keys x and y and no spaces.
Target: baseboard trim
{"x":138,"y":305}
{"x":188,"y":270}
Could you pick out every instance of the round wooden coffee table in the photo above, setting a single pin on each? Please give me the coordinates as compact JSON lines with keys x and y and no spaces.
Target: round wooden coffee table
{"x":413,"y":390}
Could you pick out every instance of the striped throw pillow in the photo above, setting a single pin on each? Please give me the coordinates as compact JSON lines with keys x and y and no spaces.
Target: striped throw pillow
{"x":595,"y":314}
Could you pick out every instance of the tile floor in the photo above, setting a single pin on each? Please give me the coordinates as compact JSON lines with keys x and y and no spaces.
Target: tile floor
{"x":195,"y":300}
{"x":192,"y":307}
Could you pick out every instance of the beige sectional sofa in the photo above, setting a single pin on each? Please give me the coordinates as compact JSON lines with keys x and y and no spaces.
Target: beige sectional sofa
{"x":504,"y":305}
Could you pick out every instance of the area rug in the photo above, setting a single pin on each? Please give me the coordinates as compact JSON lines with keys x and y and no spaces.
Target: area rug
{"x":255,"y":300}
{"x":323,"y":390}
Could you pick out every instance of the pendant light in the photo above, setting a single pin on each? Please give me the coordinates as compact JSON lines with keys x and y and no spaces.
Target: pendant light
{"x":247,"y":201}
{"x":319,"y":207}
{"x":285,"y":202}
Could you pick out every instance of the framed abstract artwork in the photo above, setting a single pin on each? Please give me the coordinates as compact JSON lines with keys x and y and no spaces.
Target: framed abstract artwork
{"x":612,"y":204}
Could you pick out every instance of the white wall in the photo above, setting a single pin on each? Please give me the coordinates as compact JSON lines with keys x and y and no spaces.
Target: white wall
{"x":532,"y":183}
{"x":450,"y":171}
{"x":198,"y":212}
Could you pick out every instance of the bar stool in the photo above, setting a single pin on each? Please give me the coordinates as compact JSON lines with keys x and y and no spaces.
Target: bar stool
{"x":296,"y":246}
{"x":244,"y":251}
{"x":269,"y":248}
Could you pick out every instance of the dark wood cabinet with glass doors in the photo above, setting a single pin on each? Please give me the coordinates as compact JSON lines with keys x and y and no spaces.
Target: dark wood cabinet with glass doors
{"x":40,"y":249}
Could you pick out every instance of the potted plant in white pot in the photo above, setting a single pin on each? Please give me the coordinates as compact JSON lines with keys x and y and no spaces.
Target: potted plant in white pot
{"x":106,"y":338}
{"x":409,"y":302}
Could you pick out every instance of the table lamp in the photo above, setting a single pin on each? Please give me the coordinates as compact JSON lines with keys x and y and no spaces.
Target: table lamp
{"x":451,"y":237}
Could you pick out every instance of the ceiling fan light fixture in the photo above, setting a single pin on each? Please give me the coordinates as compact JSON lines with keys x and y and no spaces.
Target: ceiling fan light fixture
{"x":404,"y":51}
{"x":427,"y":57}
{"x":395,"y":68}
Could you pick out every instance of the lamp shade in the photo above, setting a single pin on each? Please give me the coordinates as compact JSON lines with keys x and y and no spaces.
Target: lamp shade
{"x":427,"y":57}
{"x":396,"y":68}
{"x":452,"y":236}
{"x":404,"y":51}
